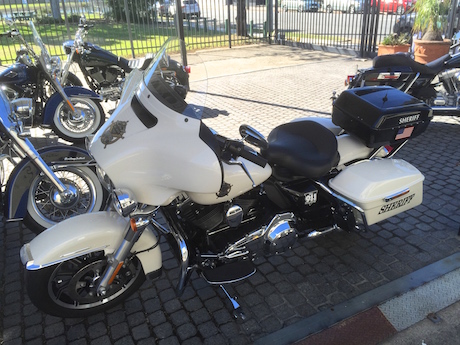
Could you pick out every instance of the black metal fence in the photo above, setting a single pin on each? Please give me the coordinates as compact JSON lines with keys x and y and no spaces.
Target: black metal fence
{"x":132,"y":28}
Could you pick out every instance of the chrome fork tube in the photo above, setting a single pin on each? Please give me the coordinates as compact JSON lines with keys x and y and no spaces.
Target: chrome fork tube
{"x":30,"y":151}
{"x":65,"y":70}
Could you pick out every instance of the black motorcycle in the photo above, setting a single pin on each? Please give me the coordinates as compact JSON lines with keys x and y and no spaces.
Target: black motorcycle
{"x":45,"y":186}
{"x":73,"y":112}
{"x":437,"y":83}
{"x":105,"y":72}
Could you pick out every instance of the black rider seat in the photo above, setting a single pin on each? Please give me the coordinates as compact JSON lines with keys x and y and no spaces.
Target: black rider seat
{"x":404,"y":59}
{"x":141,"y":63}
{"x":305,"y":148}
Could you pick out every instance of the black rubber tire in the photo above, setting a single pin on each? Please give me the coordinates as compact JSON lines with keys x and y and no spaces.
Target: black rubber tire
{"x":65,"y":289}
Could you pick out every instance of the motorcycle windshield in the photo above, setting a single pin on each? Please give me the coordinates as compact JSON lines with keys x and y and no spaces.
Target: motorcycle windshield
{"x":159,"y":79}
{"x":44,"y":55}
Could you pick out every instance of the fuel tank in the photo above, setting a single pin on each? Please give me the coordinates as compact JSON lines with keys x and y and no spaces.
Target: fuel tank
{"x":98,"y":57}
{"x":18,"y":75}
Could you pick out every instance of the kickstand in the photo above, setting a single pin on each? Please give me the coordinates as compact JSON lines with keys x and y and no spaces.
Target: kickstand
{"x":237,"y":310}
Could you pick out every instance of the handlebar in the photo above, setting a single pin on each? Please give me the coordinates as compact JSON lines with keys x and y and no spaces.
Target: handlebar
{"x":238,"y":149}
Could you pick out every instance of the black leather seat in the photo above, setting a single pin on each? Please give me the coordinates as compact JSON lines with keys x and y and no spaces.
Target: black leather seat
{"x":305,"y":148}
{"x":403,"y":59}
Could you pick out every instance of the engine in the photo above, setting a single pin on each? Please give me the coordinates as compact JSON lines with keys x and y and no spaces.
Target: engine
{"x":106,"y":76}
{"x":449,"y":94}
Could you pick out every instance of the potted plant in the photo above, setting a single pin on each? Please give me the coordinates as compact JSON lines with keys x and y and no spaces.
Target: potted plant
{"x":430,"y":21}
{"x":394,"y":43}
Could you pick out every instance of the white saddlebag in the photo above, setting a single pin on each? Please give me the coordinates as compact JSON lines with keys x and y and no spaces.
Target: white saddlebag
{"x":382,"y":188}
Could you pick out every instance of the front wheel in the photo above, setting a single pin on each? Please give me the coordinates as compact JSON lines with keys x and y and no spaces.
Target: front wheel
{"x":69,"y":289}
{"x":46,"y":207}
{"x":76,"y":126}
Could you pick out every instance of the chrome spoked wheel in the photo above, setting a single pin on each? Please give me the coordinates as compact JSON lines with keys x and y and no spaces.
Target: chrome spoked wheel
{"x":46,"y":206}
{"x":76,"y":126}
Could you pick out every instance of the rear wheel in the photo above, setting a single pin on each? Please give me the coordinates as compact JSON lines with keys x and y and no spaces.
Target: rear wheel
{"x":69,"y":289}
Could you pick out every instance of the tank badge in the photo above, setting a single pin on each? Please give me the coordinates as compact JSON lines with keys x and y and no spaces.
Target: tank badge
{"x":114,"y":132}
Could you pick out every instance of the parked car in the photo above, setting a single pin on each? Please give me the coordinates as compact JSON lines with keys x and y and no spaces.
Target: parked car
{"x":300,"y":5}
{"x":350,"y":6}
{"x":190,"y":8}
{"x":395,"y":6}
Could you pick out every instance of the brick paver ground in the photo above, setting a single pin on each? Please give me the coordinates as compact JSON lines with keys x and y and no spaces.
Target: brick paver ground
{"x":315,"y":275}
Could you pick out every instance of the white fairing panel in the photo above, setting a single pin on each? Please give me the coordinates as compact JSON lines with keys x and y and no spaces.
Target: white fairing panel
{"x":160,"y":162}
{"x":88,"y":233}
{"x":238,"y":180}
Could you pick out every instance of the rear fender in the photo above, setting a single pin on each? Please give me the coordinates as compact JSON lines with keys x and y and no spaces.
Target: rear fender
{"x":17,"y":188}
{"x":87,"y":233}
{"x":56,"y":99}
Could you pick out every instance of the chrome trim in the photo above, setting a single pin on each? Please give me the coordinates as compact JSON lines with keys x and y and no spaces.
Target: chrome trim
{"x":28,"y":260}
{"x":396,"y":195}
{"x":345,"y":200}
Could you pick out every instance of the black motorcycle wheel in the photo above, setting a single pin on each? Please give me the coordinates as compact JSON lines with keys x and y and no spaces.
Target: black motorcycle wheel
{"x":68,"y":289}
{"x":88,"y":118}
{"x":45,"y":207}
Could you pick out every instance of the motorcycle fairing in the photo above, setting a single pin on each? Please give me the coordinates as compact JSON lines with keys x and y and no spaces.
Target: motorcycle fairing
{"x":76,"y":236}
{"x":160,"y":162}
{"x":54,"y":100}
{"x":17,"y":188}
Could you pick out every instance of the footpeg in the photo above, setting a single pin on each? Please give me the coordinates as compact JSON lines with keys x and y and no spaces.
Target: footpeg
{"x":229,"y":273}
{"x":237,"y":310}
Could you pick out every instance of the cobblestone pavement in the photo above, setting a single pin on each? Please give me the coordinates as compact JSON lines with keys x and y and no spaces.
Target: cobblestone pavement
{"x":315,"y":275}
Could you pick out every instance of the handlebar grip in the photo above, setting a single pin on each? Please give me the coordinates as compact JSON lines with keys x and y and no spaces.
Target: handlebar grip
{"x":237,"y":148}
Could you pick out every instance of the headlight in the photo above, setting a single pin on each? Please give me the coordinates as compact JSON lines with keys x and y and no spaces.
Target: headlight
{"x":122,"y":203}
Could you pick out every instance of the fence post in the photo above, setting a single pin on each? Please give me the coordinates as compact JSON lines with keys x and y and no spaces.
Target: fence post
{"x":128,"y":21}
{"x":276,"y":20}
{"x":269,"y":7}
{"x":66,"y":20}
{"x":180,"y":30}
{"x":229,"y":25}
{"x":452,"y":18}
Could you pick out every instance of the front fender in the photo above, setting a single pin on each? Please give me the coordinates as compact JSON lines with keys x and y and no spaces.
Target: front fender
{"x":17,"y":188}
{"x":85,"y":234}
{"x":56,"y":99}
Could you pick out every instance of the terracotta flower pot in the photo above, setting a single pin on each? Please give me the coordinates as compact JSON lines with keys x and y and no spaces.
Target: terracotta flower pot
{"x":386,"y":49}
{"x":427,"y":51}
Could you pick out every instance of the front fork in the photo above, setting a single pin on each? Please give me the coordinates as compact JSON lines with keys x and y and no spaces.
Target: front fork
{"x":30,"y":151}
{"x":136,"y":227}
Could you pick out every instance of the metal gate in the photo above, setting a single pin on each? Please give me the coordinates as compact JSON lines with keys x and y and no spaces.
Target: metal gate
{"x":132,"y":28}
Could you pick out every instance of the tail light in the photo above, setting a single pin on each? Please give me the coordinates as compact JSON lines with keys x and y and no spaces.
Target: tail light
{"x":188,"y":69}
